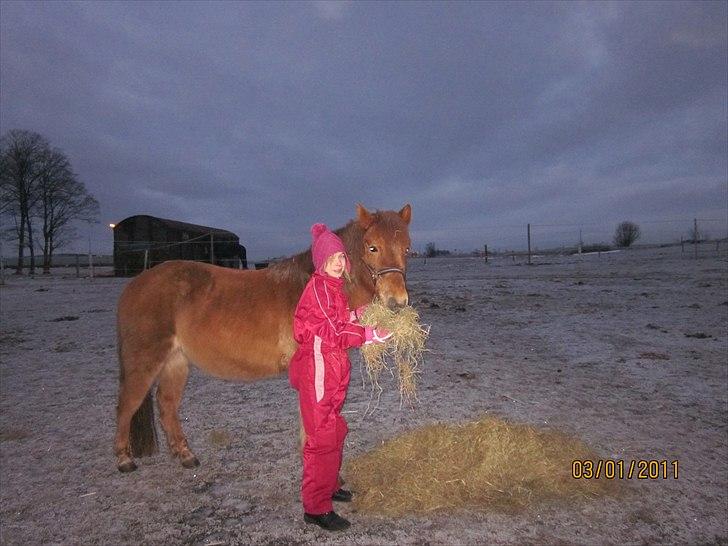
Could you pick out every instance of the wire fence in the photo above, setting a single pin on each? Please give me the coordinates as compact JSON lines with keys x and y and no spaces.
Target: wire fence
{"x":696,"y":237}
{"x":564,"y":237}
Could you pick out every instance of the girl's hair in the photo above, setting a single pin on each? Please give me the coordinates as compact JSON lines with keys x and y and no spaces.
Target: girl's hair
{"x":346,"y":274}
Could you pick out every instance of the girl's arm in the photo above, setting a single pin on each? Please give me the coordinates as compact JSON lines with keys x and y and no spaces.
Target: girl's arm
{"x":317,"y":315}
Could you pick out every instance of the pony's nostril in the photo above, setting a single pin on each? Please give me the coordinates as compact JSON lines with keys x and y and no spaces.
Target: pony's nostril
{"x":395,"y":305}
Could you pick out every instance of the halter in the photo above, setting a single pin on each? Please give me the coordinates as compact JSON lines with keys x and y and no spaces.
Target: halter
{"x":375,"y":274}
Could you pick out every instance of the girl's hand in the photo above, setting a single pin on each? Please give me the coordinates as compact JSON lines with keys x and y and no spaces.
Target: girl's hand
{"x":355,"y":316}
{"x":359,"y":312}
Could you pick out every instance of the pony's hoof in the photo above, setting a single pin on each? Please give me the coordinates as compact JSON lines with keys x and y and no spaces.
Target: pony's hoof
{"x":127,"y":466}
{"x":190,"y":462}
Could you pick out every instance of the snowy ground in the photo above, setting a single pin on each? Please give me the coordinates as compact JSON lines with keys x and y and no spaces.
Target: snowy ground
{"x":625,"y":350}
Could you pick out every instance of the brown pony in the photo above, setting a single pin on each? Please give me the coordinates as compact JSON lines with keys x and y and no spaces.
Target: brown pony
{"x":233,"y":324}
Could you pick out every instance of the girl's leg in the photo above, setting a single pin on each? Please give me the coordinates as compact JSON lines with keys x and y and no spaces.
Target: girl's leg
{"x":341,"y":430}
{"x":321,"y":454}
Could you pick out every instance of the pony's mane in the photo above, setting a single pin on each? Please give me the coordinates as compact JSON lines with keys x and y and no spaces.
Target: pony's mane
{"x":298,"y":268}
{"x":352,"y":234}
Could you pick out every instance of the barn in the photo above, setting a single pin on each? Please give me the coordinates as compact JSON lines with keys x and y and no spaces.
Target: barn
{"x":142,"y":241}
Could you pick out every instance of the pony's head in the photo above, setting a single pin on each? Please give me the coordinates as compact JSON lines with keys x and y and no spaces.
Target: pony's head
{"x":386,"y":244}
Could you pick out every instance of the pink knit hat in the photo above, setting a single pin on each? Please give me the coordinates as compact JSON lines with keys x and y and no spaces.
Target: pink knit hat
{"x":324,"y":244}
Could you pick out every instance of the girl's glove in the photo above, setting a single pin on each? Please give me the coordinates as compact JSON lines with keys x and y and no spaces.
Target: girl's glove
{"x":378,"y":335}
{"x":355,"y":316}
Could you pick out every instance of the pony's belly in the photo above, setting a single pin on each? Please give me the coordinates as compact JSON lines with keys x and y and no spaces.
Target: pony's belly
{"x":235,"y":368}
{"x":238,"y":361}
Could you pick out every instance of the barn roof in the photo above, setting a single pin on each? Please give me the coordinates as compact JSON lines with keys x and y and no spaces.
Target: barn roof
{"x":175,"y":224}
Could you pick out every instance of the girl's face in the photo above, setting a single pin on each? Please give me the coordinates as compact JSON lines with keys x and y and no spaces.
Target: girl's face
{"x":335,"y":265}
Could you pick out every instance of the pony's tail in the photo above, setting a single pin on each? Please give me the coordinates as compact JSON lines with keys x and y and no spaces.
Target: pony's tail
{"x":143,"y":434}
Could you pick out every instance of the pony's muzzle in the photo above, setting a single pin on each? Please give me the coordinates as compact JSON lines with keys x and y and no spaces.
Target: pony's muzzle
{"x":396,"y":304}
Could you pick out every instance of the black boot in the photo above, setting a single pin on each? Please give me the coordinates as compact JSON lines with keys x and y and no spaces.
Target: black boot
{"x":331,"y":521}
{"x":342,"y":495}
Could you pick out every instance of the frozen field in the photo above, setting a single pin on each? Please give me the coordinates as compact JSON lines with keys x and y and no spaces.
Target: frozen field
{"x":627,"y":351}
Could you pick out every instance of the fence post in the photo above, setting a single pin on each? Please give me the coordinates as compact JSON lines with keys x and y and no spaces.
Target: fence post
{"x":581,"y":242}
{"x":2,"y":262}
{"x":695,"y":236}
{"x":529,"y":244}
{"x":212,"y":249}
{"x":146,"y":258}
{"x":485,"y":247}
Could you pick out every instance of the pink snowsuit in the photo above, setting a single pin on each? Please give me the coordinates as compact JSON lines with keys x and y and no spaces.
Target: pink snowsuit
{"x":319,"y":371}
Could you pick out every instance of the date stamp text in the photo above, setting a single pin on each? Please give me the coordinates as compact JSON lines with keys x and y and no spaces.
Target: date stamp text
{"x":618,"y":469}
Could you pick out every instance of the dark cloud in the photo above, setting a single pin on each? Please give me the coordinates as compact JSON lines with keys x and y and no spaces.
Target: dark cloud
{"x":264,"y":117}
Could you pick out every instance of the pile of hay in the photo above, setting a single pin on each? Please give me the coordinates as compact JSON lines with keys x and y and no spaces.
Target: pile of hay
{"x":488,"y":464}
{"x":402,"y":352}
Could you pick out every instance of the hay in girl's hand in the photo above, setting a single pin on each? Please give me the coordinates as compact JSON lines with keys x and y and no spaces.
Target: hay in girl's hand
{"x":404,"y":348}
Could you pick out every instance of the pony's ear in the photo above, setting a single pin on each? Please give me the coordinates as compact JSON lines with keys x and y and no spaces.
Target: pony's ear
{"x":406,"y":213}
{"x":363,"y":216}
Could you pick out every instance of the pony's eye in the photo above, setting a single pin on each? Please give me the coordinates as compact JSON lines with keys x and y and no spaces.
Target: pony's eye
{"x":406,"y":250}
{"x":372,"y":248}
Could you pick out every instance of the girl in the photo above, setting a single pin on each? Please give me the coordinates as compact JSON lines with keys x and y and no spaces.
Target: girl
{"x":324,"y":328}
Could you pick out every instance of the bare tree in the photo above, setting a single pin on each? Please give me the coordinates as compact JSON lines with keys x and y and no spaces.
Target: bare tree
{"x":62,"y":200}
{"x":626,"y":234}
{"x":20,"y":158}
{"x":37,"y":185}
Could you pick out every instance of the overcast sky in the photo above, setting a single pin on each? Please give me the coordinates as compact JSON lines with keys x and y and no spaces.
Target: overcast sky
{"x":263,"y":118}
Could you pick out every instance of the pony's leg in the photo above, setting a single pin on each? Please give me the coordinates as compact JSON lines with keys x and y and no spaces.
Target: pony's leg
{"x":132,"y":392}
{"x":172,"y":383}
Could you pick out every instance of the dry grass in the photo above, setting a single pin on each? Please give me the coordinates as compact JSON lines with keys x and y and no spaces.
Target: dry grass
{"x":485,"y":465}
{"x":220,"y":438}
{"x":401,"y":353}
{"x":13,"y":435}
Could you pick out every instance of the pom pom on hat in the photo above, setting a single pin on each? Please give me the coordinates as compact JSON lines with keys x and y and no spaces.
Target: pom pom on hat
{"x":318,"y":229}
